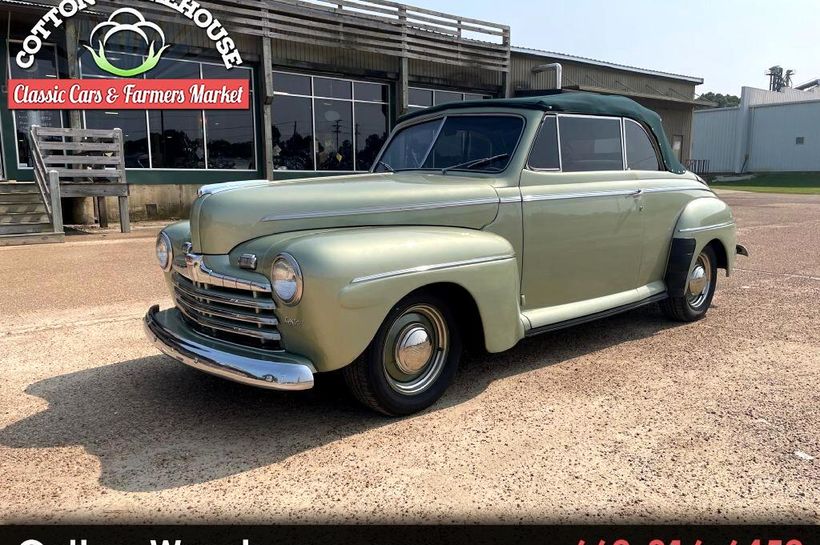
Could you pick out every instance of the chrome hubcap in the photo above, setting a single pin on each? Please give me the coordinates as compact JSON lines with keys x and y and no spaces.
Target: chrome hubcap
{"x":415,"y":349}
{"x":700,"y":281}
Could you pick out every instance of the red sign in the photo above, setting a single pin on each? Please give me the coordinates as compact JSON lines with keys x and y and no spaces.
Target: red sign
{"x":128,"y":94}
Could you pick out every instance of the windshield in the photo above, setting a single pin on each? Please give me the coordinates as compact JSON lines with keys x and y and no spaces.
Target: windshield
{"x":480,"y":143}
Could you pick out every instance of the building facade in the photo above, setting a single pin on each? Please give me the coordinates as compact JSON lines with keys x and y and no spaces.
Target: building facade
{"x":769,"y":132}
{"x":327,"y":82}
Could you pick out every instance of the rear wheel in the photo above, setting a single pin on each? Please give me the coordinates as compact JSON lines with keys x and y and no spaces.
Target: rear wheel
{"x":412,"y":359}
{"x":700,"y":288}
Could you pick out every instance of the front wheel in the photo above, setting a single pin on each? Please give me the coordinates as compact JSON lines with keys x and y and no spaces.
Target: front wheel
{"x":700,"y":288}
{"x":412,"y":359}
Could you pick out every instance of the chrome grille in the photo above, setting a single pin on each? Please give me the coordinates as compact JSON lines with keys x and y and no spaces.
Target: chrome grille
{"x":230,"y":314}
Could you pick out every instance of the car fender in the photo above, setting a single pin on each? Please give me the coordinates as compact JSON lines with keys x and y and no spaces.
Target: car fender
{"x":354,"y":277}
{"x":703,"y":220}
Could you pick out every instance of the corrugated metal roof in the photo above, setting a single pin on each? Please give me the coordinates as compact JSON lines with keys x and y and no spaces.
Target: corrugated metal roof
{"x":586,"y":60}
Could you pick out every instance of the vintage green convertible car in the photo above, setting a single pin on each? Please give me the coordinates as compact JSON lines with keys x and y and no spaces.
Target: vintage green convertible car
{"x":480,"y":223}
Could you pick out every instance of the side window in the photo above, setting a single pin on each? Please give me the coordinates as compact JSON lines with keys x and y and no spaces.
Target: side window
{"x":544,"y":154}
{"x":589,"y":143}
{"x":640,"y":153}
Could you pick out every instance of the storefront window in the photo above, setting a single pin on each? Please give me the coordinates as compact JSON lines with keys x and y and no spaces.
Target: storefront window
{"x":180,"y":139}
{"x":44,"y":66}
{"x":334,"y":134}
{"x":176,"y":139}
{"x":371,"y":132}
{"x":292,"y":133}
{"x":177,"y":136}
{"x":134,"y":131}
{"x":419,"y":99}
{"x":229,"y":133}
{"x":324,"y":123}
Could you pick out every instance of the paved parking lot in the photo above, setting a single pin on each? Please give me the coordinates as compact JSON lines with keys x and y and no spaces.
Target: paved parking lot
{"x":630,"y":419}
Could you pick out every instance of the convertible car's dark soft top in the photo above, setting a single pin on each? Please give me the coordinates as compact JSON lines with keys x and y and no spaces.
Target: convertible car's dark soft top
{"x":576,"y":103}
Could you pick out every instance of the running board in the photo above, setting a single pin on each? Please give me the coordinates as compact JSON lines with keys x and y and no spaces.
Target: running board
{"x":596,"y":316}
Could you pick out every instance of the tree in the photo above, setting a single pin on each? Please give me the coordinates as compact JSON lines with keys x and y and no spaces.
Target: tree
{"x":722,"y":101}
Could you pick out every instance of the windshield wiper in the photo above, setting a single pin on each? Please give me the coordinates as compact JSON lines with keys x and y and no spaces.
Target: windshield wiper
{"x":475,"y":162}
{"x":385,"y":165}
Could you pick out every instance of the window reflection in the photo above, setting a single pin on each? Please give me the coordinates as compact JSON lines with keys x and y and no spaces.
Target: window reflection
{"x":334,"y":135}
{"x":317,"y":131}
{"x":176,"y":139}
{"x":292,"y":133}
{"x":230,"y":132}
{"x":371,"y":132}
{"x":419,"y":99}
{"x":44,"y":66}
{"x":134,"y":132}
{"x":230,"y":139}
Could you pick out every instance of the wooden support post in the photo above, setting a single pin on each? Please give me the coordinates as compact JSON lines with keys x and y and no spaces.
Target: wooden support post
{"x":506,"y":80}
{"x":54,"y":195}
{"x":404,"y":67}
{"x":125,"y":218}
{"x":72,"y":44}
{"x":267,"y":114}
{"x":102,"y":211}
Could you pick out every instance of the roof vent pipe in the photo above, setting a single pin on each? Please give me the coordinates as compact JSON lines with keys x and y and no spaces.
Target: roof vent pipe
{"x":552,"y":66}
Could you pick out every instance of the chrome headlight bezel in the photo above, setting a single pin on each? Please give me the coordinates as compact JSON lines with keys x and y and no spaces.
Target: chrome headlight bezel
{"x":164,"y":239}
{"x":290,"y":265}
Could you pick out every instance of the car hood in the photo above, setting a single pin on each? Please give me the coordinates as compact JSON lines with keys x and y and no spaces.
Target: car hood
{"x":229,"y":214}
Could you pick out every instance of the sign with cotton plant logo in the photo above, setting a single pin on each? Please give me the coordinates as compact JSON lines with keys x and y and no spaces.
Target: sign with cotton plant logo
{"x":128,"y":87}
{"x":105,"y":30}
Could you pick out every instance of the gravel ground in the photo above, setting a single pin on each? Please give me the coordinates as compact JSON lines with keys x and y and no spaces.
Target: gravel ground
{"x":630,"y":419}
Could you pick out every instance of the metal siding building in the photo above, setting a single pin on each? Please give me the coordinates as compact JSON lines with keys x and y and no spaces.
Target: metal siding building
{"x":769,"y":132}
{"x":785,"y":137}
{"x":715,"y":137}
{"x":390,"y":59}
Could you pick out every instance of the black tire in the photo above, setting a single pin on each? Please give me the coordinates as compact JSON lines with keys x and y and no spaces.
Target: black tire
{"x":690,"y":307}
{"x":369,"y":377}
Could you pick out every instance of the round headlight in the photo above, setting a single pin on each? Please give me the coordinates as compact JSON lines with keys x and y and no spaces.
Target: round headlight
{"x":287,"y":279}
{"x":165,"y":252}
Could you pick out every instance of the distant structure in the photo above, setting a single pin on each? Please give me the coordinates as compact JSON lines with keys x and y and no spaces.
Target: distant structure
{"x":779,"y":80}
{"x":770,"y":131}
{"x":811,"y":85}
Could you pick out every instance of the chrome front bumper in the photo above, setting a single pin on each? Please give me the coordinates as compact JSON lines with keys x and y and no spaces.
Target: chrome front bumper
{"x":278,"y":371}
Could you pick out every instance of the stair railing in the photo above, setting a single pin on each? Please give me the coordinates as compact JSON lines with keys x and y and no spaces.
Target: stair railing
{"x":41,"y":175}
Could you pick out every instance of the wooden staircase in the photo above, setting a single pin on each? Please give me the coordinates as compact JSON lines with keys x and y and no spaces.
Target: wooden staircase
{"x":25,"y":217}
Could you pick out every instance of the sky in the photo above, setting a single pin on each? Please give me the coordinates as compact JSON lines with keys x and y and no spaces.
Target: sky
{"x":728,"y":43}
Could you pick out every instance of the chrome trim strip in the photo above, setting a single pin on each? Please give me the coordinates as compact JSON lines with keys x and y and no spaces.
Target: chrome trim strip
{"x":611,"y":193}
{"x":212,"y":311}
{"x":706,"y":227}
{"x":264,"y":373}
{"x":562,"y":196}
{"x":214,"y":323}
{"x":435,"y":267}
{"x":187,"y":287}
{"x":378,"y":209}
{"x":196,"y":271}
{"x":507,"y":200}
{"x":677,"y":188}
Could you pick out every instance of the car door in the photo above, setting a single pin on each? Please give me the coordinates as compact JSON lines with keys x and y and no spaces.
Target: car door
{"x":665,"y":195}
{"x":582,"y":215}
